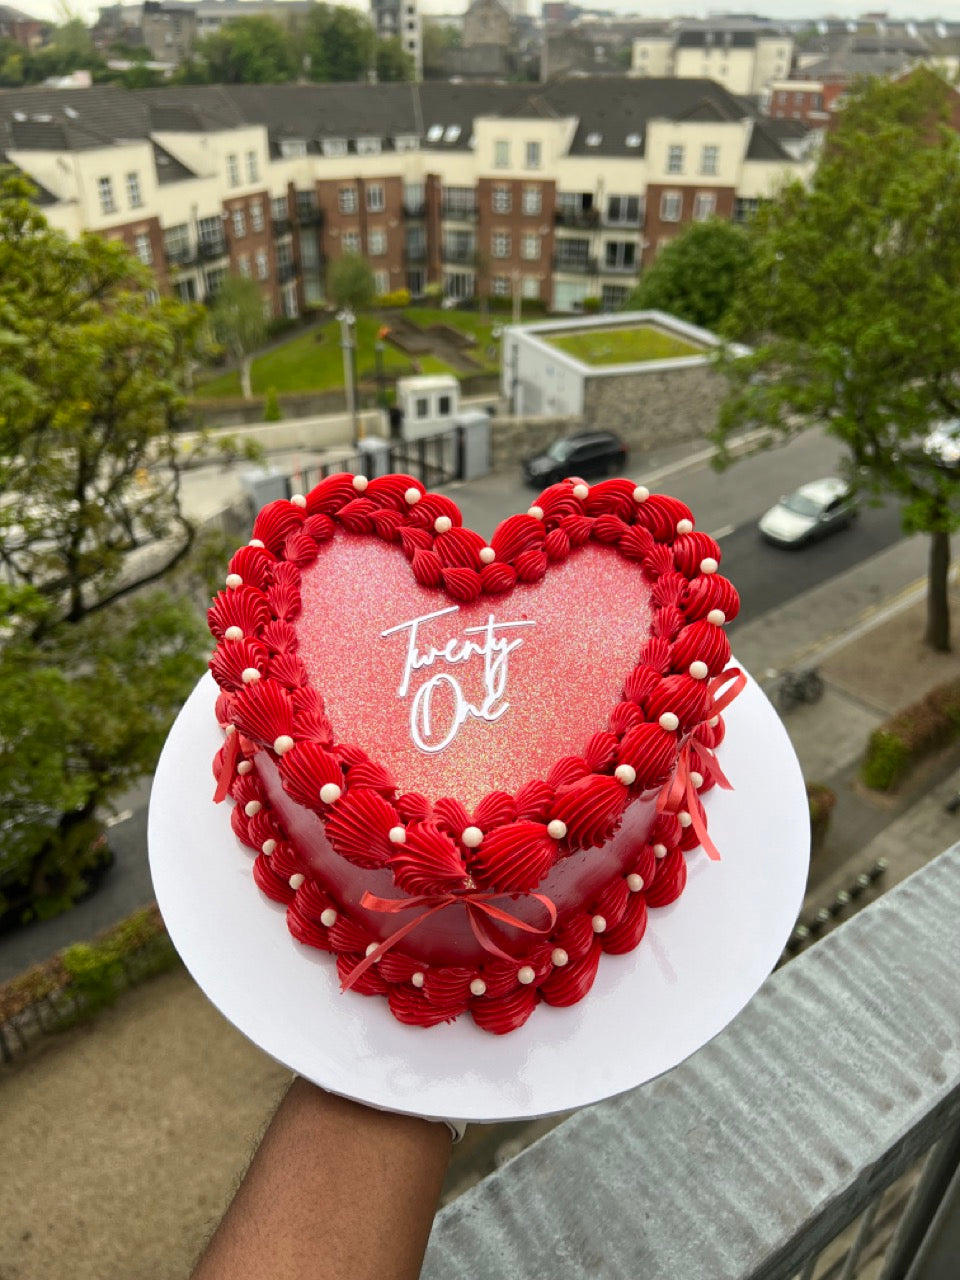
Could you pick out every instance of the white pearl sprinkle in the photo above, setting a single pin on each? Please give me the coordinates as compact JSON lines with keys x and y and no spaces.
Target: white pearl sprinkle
{"x":269,"y":846}
{"x":536,"y":512}
{"x":659,"y":850}
{"x":713,"y":721}
{"x":252,"y":808}
{"x":256,"y":542}
{"x":230,"y":728}
{"x":397,"y":835}
{"x":684,"y":818}
{"x":708,"y":565}
{"x":328,"y":917}
{"x":417,"y":979}
{"x":641,"y":493}
{"x":717,"y":617}
{"x":233,"y":633}
{"x":245,"y":767}
{"x":234,"y":580}
{"x":699,"y":670}
{"x":471,"y":837}
{"x":296,"y":880}
{"x":556,"y":829}
{"x":696,"y":779}
{"x":443,"y":524}
{"x":581,"y":491}
{"x":412,"y":496}
{"x":371,"y":948}
{"x":298,"y":500}
{"x":634,"y":882}
{"x":684,"y":526}
{"x":526,"y":975}
{"x":250,"y":675}
{"x":360,"y":483}
{"x":668,"y":721}
{"x":283,"y":744}
{"x":330,"y":793}
{"x":626,"y":774}
{"x":599,"y":924}
{"x":487,"y":555}
{"x":478,"y":987}
{"x":559,"y":957}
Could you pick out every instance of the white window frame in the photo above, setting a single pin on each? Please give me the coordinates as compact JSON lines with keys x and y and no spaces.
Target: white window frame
{"x":500,"y":286}
{"x":253,"y":167}
{"x":376,"y":198}
{"x":347,"y":199}
{"x":530,"y":288}
{"x":336,"y":147}
{"x":243,"y":265}
{"x":263,"y":265}
{"x":291,"y":148}
{"x":377,"y":245}
{"x":350,"y":241}
{"x":381,"y":282}
{"x":675,"y":157}
{"x":500,"y":244}
{"x":531,"y":201}
{"x":105,"y":193}
{"x":530,"y":247}
{"x":369,"y":146}
{"x":704,"y":206}
{"x":233,"y":169}
{"x":675,"y":198}
{"x":239,"y":220}
{"x":134,"y":192}
{"x":533,"y":154}
{"x":501,"y":153}
{"x":501,"y":199}
{"x":256,"y":215}
{"x":709,"y":160}
{"x":143,"y":248}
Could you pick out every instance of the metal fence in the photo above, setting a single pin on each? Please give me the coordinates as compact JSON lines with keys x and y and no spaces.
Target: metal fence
{"x":432,"y":459}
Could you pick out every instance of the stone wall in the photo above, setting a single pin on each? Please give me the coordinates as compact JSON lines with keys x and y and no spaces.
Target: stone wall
{"x":654,"y":408}
{"x":511,"y":439}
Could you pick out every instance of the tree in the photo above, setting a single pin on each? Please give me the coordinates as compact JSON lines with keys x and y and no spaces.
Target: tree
{"x":393,"y":62}
{"x":695,"y":276}
{"x":239,"y":323}
{"x":339,"y":43}
{"x":248,"y":50}
{"x":852,"y":305}
{"x":438,"y":40}
{"x":350,"y":282}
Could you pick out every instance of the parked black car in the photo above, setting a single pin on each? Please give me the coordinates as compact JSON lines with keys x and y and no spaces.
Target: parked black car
{"x":589,"y":453}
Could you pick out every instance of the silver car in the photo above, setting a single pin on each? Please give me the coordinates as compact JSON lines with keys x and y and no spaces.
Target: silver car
{"x":811,"y":512}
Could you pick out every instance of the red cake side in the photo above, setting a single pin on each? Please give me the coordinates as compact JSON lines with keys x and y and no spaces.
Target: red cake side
{"x":501,"y":886}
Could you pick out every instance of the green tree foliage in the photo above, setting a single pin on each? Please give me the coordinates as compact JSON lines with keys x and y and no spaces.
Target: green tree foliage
{"x":695,"y":276}
{"x":393,"y":62}
{"x":247,"y":50}
{"x":852,"y":306}
{"x":350,"y":282}
{"x":239,"y":323}
{"x":438,"y":40}
{"x":338,"y":43}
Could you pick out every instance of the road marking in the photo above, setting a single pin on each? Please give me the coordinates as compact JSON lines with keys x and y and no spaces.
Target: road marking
{"x":723,"y":532}
{"x":115,"y":819}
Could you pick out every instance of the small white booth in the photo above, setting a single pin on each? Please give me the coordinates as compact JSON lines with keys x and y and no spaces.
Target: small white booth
{"x":429,"y":403}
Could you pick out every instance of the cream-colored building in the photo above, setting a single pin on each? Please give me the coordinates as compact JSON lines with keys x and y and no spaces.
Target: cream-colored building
{"x":742,"y":59}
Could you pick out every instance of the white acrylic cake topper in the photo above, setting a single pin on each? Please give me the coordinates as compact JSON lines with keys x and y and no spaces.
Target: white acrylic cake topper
{"x":700,"y":961}
{"x":495,"y":651}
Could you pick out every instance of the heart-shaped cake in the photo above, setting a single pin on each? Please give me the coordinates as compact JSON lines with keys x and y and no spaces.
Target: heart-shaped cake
{"x":467,"y":768}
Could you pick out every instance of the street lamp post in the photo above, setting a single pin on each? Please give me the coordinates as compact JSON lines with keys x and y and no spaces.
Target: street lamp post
{"x":378,"y":351}
{"x":348,"y":343}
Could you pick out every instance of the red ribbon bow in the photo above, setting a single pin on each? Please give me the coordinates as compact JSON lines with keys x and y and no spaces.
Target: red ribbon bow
{"x":478,"y":905}
{"x":679,"y":792}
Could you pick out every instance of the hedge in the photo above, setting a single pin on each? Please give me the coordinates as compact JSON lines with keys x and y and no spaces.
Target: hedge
{"x":821,"y":801}
{"x":897,"y":746}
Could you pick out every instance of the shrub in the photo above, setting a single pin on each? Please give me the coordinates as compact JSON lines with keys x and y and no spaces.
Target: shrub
{"x":591,"y":306}
{"x":395,"y":298}
{"x":914,"y":733}
{"x":271,"y":407}
{"x":281,"y":325}
{"x":433,"y":290}
{"x":821,"y":801}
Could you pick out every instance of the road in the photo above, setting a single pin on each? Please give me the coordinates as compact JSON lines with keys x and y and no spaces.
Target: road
{"x":726,"y":506}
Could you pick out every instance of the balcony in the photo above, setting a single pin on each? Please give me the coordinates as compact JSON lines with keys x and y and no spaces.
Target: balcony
{"x":459,"y":257}
{"x":774,"y":1152}
{"x":286,"y":271}
{"x":309,"y":216}
{"x":184,"y":255}
{"x":579,"y":219}
{"x":575,"y":266}
{"x":210,"y":249}
{"x":459,"y":212}
{"x":418,"y":210}
{"x":415,"y":253}
{"x":281,"y":227}
{"x":619,"y":268}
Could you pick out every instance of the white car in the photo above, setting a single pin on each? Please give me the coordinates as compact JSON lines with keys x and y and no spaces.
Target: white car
{"x":811,"y":512}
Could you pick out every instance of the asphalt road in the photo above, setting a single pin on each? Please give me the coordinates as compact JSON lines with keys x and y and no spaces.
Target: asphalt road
{"x":727,"y":506}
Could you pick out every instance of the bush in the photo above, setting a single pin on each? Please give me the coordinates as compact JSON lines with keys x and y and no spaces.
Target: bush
{"x":396,"y":298}
{"x":433,"y":290}
{"x":821,"y":801}
{"x":591,"y":306}
{"x":281,"y":325}
{"x":271,"y":407}
{"x":896,"y":747}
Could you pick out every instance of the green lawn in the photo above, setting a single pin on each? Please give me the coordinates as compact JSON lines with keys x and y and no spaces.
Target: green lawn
{"x":313,"y":361}
{"x":623,"y":346}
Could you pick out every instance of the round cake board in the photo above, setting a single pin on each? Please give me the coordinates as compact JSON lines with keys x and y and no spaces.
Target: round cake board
{"x":700,"y":961}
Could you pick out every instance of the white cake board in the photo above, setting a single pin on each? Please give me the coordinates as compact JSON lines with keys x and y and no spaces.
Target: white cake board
{"x":700,"y":961}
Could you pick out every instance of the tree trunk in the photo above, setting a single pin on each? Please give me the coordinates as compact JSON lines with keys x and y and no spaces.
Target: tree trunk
{"x":938,"y":606}
{"x":245,"y":377}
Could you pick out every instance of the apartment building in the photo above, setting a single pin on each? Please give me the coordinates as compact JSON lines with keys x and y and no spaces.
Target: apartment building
{"x":563,"y":192}
{"x":743,"y":57}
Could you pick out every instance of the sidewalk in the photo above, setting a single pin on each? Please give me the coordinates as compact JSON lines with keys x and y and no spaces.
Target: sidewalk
{"x":127,"y":1135}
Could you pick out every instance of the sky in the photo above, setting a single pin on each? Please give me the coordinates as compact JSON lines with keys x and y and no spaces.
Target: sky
{"x":53,"y":10}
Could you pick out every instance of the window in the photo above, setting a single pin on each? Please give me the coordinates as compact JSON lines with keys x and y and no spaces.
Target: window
{"x":744,"y":207}
{"x":381,"y":281}
{"x":443,"y":406}
{"x":334,"y":146}
{"x":256,"y":215}
{"x":350,"y":241}
{"x":675,"y":159}
{"x":709,"y":158}
{"x":263,"y":264}
{"x":134,"y":196}
{"x":290,"y":148}
{"x":369,"y":146}
{"x":459,"y":202}
{"x":253,"y":169}
{"x":613,"y":296}
{"x":153,"y":297}
{"x":594,"y":139}
{"x":671,"y":205}
{"x":623,"y":209}
{"x":210,"y":232}
{"x":531,"y":287}
{"x":532,"y":200}
{"x":375,"y":198}
{"x":435,"y":133}
{"x":214,"y":278}
{"x":530,"y":248}
{"x":285,"y":254}
{"x":620,"y":255}
{"x":421,"y":407}
{"x":502,"y":200}
{"x":704,"y":206}
{"x":633,"y":140}
{"x":500,"y":244}
{"x":105,"y":192}
{"x":278,"y":208}
{"x":501,"y":154}
{"x":176,"y":242}
{"x":414,"y":197}
{"x":451,"y":133}
{"x":377,"y":244}
{"x":532,"y":156}
{"x":406,"y":142}
{"x":143,"y":248}
{"x":458,"y":246}
{"x":501,"y":287}
{"x":347,"y":199}
{"x":239,"y":223}
{"x":233,"y":170}
{"x":243,"y":265}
